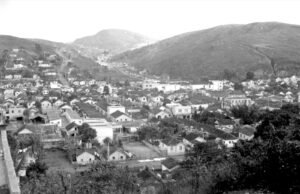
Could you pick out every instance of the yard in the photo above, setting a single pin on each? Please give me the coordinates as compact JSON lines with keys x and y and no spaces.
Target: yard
{"x":140,"y":150}
{"x":57,"y":160}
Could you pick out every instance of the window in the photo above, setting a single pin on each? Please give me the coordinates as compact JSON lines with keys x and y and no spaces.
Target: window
{"x":171,"y":148}
{"x":121,"y":157}
{"x":180,"y":147}
{"x":179,"y":110}
{"x":12,"y":111}
{"x":113,"y":158}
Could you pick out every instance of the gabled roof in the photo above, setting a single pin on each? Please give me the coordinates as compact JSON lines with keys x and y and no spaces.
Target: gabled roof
{"x":71,"y":125}
{"x":171,"y":142}
{"x":247,"y":130}
{"x":191,"y":136}
{"x":169,"y":163}
{"x":117,"y":114}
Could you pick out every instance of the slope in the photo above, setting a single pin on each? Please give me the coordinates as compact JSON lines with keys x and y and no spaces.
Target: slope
{"x":263,"y":48}
{"x":113,"y":40}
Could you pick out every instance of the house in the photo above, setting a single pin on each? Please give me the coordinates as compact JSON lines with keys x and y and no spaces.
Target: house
{"x":58,"y":103}
{"x":14,"y":112}
{"x":73,"y":116}
{"x":111,"y":108}
{"x":225,"y":125}
{"x":227,"y":139}
{"x":64,"y":107}
{"x":119,"y":116}
{"x":182,"y":111}
{"x":50,"y":135}
{"x":236,"y":98}
{"x":45,"y":105}
{"x":172,"y":146}
{"x":246,"y":132}
{"x":193,"y":138}
{"x":84,"y":156}
{"x":54,"y":117}
{"x":72,"y":129}
{"x":117,"y":155}
{"x":169,"y":164}
{"x":17,"y":76}
{"x":9,"y":76}
{"x":161,"y":114}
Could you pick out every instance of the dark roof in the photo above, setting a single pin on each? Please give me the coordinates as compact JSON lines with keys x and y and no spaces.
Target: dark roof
{"x":225,"y":122}
{"x":247,"y":130}
{"x":169,"y":163}
{"x":71,"y":125}
{"x":117,"y":114}
{"x":171,"y":141}
{"x":80,"y":151}
{"x":191,"y":136}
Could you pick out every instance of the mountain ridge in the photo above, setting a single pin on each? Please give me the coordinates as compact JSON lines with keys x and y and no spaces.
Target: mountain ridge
{"x":265,"y":48}
{"x":113,"y":40}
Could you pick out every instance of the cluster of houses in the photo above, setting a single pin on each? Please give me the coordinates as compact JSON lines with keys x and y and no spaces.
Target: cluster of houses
{"x":54,"y":112}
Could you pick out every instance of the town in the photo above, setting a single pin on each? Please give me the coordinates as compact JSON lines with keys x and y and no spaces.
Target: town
{"x":69,"y":120}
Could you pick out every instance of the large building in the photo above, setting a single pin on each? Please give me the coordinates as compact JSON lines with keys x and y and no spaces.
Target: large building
{"x":236,"y":99}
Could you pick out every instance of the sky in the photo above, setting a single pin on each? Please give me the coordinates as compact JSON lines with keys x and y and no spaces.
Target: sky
{"x":66,"y":20}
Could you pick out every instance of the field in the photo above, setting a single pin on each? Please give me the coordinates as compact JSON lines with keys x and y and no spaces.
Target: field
{"x":140,"y":150}
{"x":57,"y":160}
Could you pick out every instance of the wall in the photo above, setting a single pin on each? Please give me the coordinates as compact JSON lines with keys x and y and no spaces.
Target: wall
{"x":12,"y":179}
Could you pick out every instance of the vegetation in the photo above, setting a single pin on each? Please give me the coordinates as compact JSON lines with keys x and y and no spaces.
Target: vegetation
{"x":189,"y":56}
{"x":86,"y":132}
{"x":266,"y":163}
{"x":100,"y":178}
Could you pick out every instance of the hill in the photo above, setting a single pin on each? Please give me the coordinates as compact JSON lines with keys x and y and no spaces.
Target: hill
{"x":11,"y":42}
{"x":113,"y":40}
{"x":264,"y":48}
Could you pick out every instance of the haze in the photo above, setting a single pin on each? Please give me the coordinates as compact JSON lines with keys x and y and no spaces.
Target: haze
{"x":66,"y":20}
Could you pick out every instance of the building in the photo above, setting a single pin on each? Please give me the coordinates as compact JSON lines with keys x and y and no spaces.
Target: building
{"x":236,"y":99}
{"x":246,"y":132}
{"x":119,"y":116}
{"x":169,"y":164}
{"x":172,"y":146}
{"x":193,"y":138}
{"x":14,"y":112}
{"x":50,"y":135}
{"x":84,"y":156}
{"x":117,"y":155}
{"x":73,"y":116}
{"x":54,"y":117}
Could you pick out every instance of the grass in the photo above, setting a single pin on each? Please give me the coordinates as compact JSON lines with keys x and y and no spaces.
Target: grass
{"x":140,"y":150}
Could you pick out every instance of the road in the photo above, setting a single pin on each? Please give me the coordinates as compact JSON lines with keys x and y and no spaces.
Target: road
{"x":61,"y":69}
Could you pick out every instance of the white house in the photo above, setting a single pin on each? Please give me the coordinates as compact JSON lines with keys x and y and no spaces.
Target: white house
{"x":172,"y":146}
{"x":246,"y":132}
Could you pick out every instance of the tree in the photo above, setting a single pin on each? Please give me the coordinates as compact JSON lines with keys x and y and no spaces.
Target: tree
{"x":247,"y":114}
{"x":87,"y":133}
{"x":249,"y":75}
{"x":238,"y":86}
{"x":106,"y":90}
{"x":36,"y":169}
